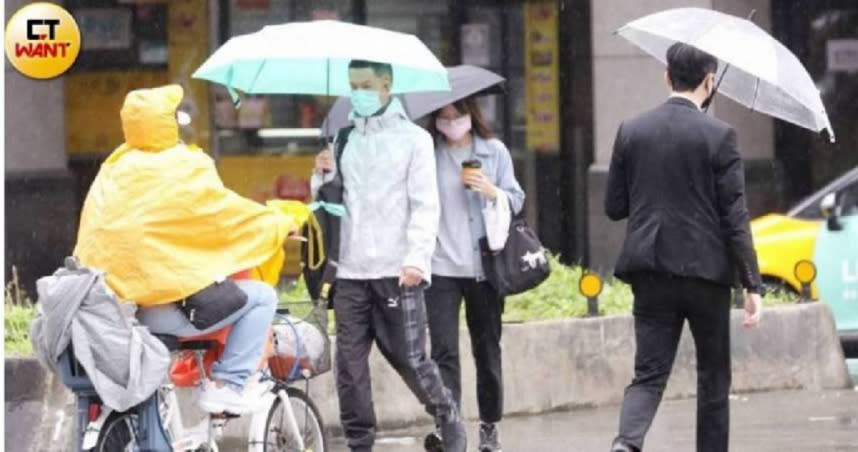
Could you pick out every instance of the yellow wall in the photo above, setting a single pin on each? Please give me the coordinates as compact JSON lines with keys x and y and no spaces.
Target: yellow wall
{"x":93,"y":98}
{"x":187,"y":49}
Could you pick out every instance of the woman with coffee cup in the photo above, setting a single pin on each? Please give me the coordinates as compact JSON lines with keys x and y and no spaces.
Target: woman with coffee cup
{"x":479,"y":194}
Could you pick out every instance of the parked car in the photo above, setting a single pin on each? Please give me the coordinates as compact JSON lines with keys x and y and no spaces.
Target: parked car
{"x":823,"y":229}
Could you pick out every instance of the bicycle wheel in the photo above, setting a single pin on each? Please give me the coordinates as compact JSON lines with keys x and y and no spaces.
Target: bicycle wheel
{"x":278,"y":434}
{"x":118,"y":434}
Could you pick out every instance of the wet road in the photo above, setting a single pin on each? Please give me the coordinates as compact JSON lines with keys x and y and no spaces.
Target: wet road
{"x":805,"y":421}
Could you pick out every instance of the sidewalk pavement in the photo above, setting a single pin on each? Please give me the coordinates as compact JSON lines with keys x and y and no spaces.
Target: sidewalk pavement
{"x":806,"y":421}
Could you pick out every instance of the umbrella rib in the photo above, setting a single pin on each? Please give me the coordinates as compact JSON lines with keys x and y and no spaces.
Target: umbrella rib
{"x":756,"y":93}
{"x":256,"y":77}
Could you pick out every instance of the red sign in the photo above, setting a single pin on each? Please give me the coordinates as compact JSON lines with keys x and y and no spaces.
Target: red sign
{"x":288,"y":187}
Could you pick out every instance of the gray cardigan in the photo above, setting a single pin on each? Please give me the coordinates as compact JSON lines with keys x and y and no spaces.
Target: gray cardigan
{"x":458,"y":254}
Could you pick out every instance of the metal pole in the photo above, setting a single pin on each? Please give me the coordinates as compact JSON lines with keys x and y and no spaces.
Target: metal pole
{"x":805,"y":293}
{"x":593,"y":306}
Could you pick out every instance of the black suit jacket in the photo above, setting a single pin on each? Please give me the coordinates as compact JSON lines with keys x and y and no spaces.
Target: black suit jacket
{"x":676,"y":174}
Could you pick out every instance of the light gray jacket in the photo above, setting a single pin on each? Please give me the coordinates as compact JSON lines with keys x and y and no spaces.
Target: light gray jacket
{"x":458,"y":255}
{"x":391,"y":197}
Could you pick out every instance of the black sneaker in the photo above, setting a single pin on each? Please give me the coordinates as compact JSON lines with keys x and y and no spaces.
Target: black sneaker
{"x":433,"y":441}
{"x":454,"y":438}
{"x":489,"y":438}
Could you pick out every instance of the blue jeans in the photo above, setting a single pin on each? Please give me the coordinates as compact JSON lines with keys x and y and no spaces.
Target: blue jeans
{"x":246,"y":341}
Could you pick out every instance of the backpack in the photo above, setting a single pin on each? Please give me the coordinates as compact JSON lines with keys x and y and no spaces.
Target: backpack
{"x":320,"y":253}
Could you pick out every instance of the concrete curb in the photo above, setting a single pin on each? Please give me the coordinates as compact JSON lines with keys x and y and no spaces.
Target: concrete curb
{"x":571,"y":363}
{"x":548,"y":366}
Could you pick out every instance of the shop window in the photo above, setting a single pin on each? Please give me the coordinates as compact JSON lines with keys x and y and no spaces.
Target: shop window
{"x":117,"y":35}
{"x":271,"y":124}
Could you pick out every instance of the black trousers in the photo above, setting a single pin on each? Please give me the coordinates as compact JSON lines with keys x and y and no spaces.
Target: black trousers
{"x":395,"y":319}
{"x":483,"y":309}
{"x":661,"y":306}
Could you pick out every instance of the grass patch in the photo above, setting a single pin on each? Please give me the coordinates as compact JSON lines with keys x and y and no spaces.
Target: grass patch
{"x":556,"y":298}
{"x":294,"y":296}
{"x":18,"y":313}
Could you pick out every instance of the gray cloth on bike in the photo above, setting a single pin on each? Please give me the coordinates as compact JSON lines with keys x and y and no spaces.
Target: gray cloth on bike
{"x":125,"y":362}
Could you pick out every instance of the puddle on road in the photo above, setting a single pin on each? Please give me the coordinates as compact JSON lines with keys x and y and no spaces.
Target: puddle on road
{"x":399,"y":441}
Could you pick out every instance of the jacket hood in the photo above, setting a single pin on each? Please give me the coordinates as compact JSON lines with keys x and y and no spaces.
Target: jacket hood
{"x":149,"y":118}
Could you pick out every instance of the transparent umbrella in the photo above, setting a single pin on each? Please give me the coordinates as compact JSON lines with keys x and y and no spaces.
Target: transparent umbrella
{"x":755,"y":69}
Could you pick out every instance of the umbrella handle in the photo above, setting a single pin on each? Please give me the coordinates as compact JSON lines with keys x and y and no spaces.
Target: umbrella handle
{"x":708,"y":101}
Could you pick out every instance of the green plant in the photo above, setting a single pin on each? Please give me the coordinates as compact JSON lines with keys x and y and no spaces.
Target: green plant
{"x":294,"y":292}
{"x":294,"y":296}
{"x":18,"y":313}
{"x":780,"y":297}
{"x":558,"y":297}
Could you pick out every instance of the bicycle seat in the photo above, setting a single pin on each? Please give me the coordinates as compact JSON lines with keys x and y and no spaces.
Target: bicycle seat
{"x":204,"y":342}
{"x":170,"y":341}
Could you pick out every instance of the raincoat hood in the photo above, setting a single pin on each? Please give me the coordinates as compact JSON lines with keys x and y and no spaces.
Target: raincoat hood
{"x":162,"y":225}
{"x":149,"y":118}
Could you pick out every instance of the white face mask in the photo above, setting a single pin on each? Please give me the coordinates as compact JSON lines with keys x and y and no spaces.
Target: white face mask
{"x":366,"y":102}
{"x":454,"y":129}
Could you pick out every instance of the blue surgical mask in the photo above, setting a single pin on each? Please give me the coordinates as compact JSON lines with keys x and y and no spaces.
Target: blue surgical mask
{"x":366,"y":102}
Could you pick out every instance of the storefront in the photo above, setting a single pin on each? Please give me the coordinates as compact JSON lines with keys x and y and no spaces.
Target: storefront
{"x":824,"y":35}
{"x":265,"y":149}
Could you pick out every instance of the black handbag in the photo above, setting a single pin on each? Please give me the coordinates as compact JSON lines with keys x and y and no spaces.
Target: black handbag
{"x":211,"y":305}
{"x":521,"y":265}
{"x":320,"y":276}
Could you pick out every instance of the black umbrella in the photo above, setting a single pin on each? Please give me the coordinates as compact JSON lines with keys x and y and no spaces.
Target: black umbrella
{"x":465,"y":81}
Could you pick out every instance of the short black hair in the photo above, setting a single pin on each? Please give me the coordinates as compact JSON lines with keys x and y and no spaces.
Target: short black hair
{"x":687,"y":66}
{"x":380,"y":69}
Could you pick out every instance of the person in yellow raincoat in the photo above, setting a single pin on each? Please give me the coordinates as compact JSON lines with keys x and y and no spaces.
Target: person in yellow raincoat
{"x":159,"y":221}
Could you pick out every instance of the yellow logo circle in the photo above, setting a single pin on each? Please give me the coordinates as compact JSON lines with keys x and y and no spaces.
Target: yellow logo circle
{"x":42,"y":40}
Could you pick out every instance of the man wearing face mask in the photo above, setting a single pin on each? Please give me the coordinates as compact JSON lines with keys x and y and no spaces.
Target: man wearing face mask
{"x":387,"y":238}
{"x":676,"y":174}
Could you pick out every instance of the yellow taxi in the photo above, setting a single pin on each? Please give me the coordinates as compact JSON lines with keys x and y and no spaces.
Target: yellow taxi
{"x":823,"y":229}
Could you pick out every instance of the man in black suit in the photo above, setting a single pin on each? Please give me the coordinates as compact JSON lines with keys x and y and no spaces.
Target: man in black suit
{"x":676,"y":174}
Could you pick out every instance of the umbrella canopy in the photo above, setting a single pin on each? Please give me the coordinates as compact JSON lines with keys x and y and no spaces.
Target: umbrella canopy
{"x":762,"y":75}
{"x":313,"y":58}
{"x":465,"y":80}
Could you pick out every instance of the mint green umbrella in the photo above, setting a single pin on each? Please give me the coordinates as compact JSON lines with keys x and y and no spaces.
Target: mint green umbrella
{"x":313,"y":58}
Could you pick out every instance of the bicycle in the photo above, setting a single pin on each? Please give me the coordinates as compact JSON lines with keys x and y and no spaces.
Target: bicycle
{"x":289,"y":422}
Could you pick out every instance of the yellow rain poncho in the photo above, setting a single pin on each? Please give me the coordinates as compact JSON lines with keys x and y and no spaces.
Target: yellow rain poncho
{"x":159,"y":220}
